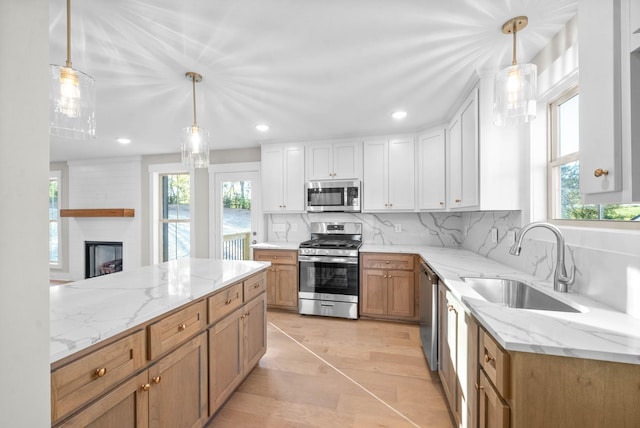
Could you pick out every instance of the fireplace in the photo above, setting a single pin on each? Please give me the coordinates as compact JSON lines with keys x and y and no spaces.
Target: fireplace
{"x":102,"y":258}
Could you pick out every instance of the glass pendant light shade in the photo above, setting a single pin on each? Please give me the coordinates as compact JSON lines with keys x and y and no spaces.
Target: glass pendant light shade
{"x":195,"y":140}
{"x":195,"y":147}
{"x":515,"y":90}
{"x":72,"y":95}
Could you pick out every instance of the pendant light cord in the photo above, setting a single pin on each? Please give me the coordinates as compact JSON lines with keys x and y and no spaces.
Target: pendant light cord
{"x":68,"y":33}
{"x":514,"y":43}
{"x":193,"y":80}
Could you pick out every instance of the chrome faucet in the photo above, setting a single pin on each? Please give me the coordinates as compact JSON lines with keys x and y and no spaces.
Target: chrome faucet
{"x":561,"y":280}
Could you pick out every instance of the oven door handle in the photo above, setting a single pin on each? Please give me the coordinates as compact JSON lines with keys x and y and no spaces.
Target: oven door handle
{"x":328,"y":259}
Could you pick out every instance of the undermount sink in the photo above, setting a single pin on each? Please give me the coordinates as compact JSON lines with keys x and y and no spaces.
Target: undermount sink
{"x":516,"y":294}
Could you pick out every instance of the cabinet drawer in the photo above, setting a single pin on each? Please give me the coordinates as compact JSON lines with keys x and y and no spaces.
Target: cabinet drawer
{"x":281,"y":257}
{"x":388,"y":261}
{"x":225,"y":302}
{"x":175,"y":329}
{"x":495,"y":362}
{"x":254,"y":286}
{"x":86,"y":378}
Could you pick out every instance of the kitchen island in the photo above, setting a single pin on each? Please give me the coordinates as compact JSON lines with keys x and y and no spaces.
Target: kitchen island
{"x":166,"y":343}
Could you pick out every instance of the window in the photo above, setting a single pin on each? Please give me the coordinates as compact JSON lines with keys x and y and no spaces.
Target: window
{"x":564,"y":168}
{"x":54,"y":219}
{"x":174,"y":218}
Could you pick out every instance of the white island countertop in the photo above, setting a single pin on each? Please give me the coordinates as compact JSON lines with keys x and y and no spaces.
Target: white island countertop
{"x":86,"y":312}
{"x":599,"y":332}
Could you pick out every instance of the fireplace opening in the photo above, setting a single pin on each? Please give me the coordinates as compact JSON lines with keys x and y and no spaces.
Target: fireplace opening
{"x":102,"y":258}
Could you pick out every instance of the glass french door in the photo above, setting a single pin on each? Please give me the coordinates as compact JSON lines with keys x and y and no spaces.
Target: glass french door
{"x":236,"y":218}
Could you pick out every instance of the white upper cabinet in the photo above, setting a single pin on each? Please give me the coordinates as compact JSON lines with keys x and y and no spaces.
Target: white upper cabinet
{"x":282,"y":167}
{"x":485,"y":166}
{"x":431,"y":170}
{"x":462,"y":155}
{"x":389,"y":174}
{"x":334,"y":161}
{"x":600,"y":96}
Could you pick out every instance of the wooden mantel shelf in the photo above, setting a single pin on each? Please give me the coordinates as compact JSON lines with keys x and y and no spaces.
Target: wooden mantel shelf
{"x":99,"y":212}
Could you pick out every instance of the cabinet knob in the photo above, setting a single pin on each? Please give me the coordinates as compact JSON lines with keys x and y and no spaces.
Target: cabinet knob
{"x":226,"y":302}
{"x":256,"y":285}
{"x":156,"y":379}
{"x":387,"y":261}
{"x":458,"y":200}
{"x":101,"y":372}
{"x":145,"y":387}
{"x":600,"y":172}
{"x":479,"y":387}
{"x":441,"y":203}
{"x":488,"y":358}
{"x":182,"y":327}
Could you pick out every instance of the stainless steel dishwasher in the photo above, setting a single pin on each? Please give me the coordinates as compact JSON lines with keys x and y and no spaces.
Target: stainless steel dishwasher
{"x":429,"y":315}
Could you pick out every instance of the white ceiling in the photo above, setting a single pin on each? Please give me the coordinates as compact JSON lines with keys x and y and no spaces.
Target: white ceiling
{"x":311,"y":69}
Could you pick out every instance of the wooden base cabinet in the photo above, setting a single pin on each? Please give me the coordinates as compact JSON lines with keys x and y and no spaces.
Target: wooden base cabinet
{"x":188,"y":371}
{"x":171,"y":393}
{"x":389,"y":286}
{"x":282,"y":277}
{"x":236,"y":344}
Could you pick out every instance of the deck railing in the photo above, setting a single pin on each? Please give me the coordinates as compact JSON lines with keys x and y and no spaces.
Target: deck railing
{"x":236,"y":246}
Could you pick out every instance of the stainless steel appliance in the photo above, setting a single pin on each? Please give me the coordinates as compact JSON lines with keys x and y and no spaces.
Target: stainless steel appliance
{"x":328,"y":270}
{"x":429,"y":315}
{"x":336,"y":196}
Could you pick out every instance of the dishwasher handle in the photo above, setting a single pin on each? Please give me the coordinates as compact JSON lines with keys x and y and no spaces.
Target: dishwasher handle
{"x":433,"y":278}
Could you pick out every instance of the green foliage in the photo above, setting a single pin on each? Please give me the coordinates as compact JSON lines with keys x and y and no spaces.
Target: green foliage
{"x":237,"y":195}
{"x":178,"y":189}
{"x":571,"y":201}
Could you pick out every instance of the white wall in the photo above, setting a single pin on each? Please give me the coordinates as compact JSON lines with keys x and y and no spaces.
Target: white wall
{"x":105,"y":183}
{"x":24,"y":174}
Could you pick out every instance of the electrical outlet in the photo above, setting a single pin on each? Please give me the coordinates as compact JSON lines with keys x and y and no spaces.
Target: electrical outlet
{"x":494,"y":235}
{"x":279,"y":227}
{"x":294,"y":227}
{"x":398,"y":228}
{"x":511,"y":237}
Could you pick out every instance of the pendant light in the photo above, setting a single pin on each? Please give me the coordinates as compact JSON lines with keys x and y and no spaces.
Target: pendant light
{"x":515,"y":87}
{"x":195,"y":140}
{"x":72,"y":97}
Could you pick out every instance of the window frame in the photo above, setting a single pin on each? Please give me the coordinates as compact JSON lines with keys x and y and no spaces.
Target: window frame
{"x":155,"y":203}
{"x":554,"y":161}
{"x":57,"y":176}
{"x":162,"y":221}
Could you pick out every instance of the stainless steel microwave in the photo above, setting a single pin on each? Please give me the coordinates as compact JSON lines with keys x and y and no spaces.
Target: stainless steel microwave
{"x":336,"y":196}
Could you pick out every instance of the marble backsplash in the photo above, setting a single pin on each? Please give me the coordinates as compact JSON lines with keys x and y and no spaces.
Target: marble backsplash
{"x":607,"y":262}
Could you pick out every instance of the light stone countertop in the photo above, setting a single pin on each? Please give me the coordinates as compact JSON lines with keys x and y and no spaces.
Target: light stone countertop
{"x":89,"y":311}
{"x":599,"y":332}
{"x":277,"y":246}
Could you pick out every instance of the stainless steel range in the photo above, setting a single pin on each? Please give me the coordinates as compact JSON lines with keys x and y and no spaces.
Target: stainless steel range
{"x":328,"y":270}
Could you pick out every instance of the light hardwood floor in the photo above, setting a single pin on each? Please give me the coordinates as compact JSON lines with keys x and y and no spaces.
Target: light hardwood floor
{"x":329,"y":372}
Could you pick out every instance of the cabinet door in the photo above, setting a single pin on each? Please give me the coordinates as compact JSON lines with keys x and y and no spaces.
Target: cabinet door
{"x":254,"y":332}
{"x":293,"y":199}
{"x":374,"y":292}
{"x":401,"y":294}
{"x":225,"y":359}
{"x":178,"y":386}
{"x":469,"y":137}
{"x":494,"y":412}
{"x":272,"y":285}
{"x":447,"y":351}
{"x":319,"y":160}
{"x":600,"y":95}
{"x":272,"y":177}
{"x":347,"y":160}
{"x":376,"y":171}
{"x":431,"y":171}
{"x":286,"y":286}
{"x":462,"y":155}
{"x":126,"y":407}
{"x":401,"y":187}
{"x":473,"y":380}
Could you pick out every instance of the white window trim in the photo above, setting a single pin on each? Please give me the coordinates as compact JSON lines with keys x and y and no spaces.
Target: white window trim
{"x":155,"y":171}
{"x":57,"y":175}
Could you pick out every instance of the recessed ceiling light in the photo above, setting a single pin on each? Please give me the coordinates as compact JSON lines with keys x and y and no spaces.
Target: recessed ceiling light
{"x":399,"y":115}
{"x":262,"y":127}
{"x":123,"y":140}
